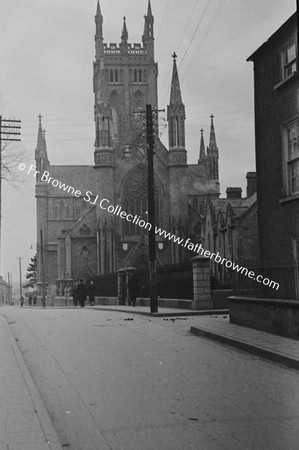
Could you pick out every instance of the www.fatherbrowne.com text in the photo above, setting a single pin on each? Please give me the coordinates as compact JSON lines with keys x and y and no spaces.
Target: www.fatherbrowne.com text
{"x":117,"y":210}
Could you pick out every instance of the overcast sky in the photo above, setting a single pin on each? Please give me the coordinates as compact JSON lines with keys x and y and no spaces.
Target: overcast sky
{"x":47,"y":52}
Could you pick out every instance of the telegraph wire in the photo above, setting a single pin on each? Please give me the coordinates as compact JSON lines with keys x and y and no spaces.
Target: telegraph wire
{"x":206,"y":33}
{"x":163,"y":19}
{"x":194,"y":34}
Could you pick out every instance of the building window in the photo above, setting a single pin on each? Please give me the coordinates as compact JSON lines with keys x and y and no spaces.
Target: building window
{"x":289,"y":60}
{"x":114,"y":76}
{"x":111,"y":75}
{"x":292,"y":142}
{"x":138,"y":76}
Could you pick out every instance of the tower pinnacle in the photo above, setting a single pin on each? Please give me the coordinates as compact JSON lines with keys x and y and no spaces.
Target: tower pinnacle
{"x":213,"y":154}
{"x":175,"y":93}
{"x":124,"y":34}
{"x":176,"y":111}
{"x":148,"y":33}
{"x":99,"y":31}
{"x":212,"y":143}
{"x":202,"y":152}
{"x":41,"y":155}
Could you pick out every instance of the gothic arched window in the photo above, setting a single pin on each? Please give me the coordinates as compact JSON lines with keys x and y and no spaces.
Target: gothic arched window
{"x":135,"y":76}
{"x":61,"y":209}
{"x":116,"y":76}
{"x":140,"y":76}
{"x":134,"y":200}
{"x":111,"y":75}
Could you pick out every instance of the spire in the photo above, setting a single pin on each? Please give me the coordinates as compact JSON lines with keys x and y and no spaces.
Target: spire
{"x":213,"y":154}
{"x":41,"y":146}
{"x":176,"y":112}
{"x":175,"y":93}
{"x":148,"y":32}
{"x":149,"y":9}
{"x":99,"y":31}
{"x":202,"y":152}
{"x":40,"y":139}
{"x":212,"y":144}
{"x":41,"y":156}
{"x":99,"y":21}
{"x":98,"y":14}
{"x":124,"y":34}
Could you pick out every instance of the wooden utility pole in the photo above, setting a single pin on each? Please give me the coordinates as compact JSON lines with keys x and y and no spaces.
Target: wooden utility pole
{"x":151,"y":210}
{"x":10,"y":129}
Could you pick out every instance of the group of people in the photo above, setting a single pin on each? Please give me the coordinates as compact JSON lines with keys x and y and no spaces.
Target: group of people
{"x":32,"y":300}
{"x":80,"y":293}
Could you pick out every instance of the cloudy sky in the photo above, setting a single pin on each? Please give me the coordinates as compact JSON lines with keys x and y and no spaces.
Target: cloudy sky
{"x":47,"y":52}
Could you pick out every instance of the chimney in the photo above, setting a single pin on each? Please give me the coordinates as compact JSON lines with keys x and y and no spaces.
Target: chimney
{"x":251,"y":183}
{"x":233,"y":192}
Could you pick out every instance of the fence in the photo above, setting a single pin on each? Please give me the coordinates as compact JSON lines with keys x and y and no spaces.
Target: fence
{"x":172,"y":282}
{"x":106,"y":285}
{"x":285,"y":276}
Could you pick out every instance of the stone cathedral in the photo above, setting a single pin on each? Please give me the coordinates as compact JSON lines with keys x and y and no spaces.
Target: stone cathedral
{"x":80,"y":237}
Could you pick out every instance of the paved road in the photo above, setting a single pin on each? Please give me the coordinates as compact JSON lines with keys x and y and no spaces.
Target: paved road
{"x":147,"y":384}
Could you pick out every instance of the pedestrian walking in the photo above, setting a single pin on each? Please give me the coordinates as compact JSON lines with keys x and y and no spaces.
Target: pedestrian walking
{"x":81,"y":293}
{"x":75,"y":295}
{"x":133,"y":288}
{"x":30,"y":300}
{"x":91,"y":293}
{"x":34,"y":300}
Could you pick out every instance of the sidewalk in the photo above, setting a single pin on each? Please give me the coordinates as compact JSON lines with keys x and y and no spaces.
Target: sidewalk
{"x":215,"y":325}
{"x":162,"y":312}
{"x":24,"y":421}
{"x":270,"y":346}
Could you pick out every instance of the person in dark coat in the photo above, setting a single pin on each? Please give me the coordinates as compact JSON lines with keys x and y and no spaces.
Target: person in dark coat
{"x":30,"y":300}
{"x":74,"y":295}
{"x":91,"y":293}
{"x":133,"y":288}
{"x":81,"y":293}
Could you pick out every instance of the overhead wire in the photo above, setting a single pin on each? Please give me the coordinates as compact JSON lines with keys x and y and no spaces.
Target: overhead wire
{"x":206,"y":33}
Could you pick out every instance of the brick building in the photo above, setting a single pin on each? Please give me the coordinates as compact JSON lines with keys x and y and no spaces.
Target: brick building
{"x":277,"y":151}
{"x":81,"y":236}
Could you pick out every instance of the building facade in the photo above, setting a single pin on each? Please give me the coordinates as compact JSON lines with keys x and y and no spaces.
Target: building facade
{"x":92,"y":220}
{"x":230,"y":229}
{"x":277,"y":151}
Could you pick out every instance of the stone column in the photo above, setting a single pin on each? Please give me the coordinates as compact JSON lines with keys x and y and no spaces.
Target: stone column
{"x":68,"y":263}
{"x":121,"y":286}
{"x":201,"y":283}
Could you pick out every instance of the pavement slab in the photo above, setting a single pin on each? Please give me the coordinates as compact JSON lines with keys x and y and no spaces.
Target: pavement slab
{"x":267,"y":345}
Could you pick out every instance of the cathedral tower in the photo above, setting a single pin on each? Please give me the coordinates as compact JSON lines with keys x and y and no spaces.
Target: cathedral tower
{"x":124,"y":81}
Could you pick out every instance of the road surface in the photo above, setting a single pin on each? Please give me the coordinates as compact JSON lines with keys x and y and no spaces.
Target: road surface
{"x":117,"y":381}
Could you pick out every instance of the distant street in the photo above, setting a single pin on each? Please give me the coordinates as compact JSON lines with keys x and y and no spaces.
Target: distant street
{"x":117,"y":381}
